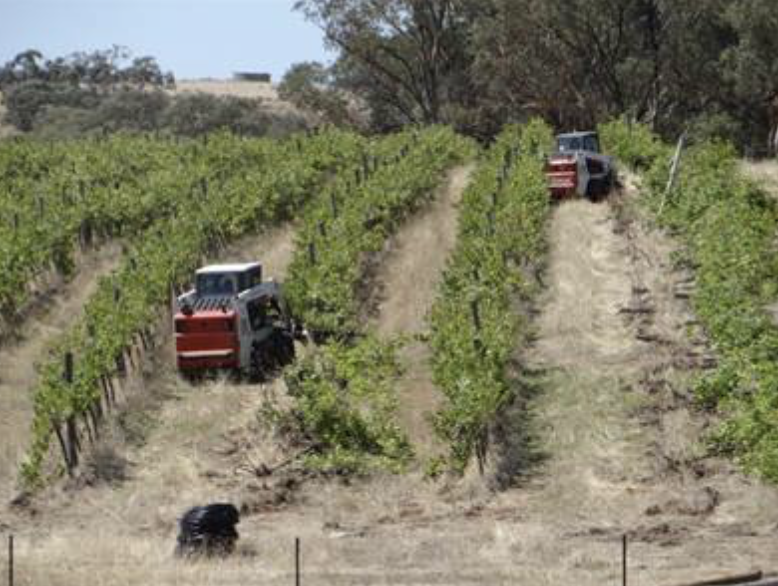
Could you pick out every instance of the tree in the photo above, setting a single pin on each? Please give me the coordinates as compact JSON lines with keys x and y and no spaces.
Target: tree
{"x":750,"y":68}
{"x":309,"y":86}
{"x":27,"y":101}
{"x":400,"y":53}
{"x":32,"y":84}
{"x":199,"y":113}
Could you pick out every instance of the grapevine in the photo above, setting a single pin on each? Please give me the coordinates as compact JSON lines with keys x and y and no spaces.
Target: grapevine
{"x":474,"y":328}
{"x":224,"y":199}
{"x":728,"y":226}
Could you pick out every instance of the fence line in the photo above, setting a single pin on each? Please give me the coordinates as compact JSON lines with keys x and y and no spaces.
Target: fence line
{"x":756,"y":578}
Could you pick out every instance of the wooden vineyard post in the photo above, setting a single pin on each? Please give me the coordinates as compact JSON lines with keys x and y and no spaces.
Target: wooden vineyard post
{"x":11,"y":560}
{"x":333,"y":204}
{"x":297,"y":561}
{"x":624,"y":560}
{"x":63,"y":446}
{"x":121,"y":365}
{"x":480,"y":449}
{"x":70,"y":424}
{"x":475,"y":311}
{"x":312,"y":253}
{"x":673,"y":171}
{"x":365,"y":165}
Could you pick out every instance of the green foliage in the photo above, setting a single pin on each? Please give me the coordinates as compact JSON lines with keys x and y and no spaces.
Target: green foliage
{"x":215,"y":193}
{"x":199,"y":113}
{"x":106,"y":91}
{"x":345,"y":405}
{"x":32,"y":84}
{"x":475,"y":329}
{"x":308,"y":85}
{"x":26,"y":102}
{"x":351,"y":221}
{"x":127,"y":110}
{"x":53,"y":193}
{"x":729,"y":227}
{"x":633,"y":144}
{"x":479,"y":64}
{"x":344,"y":397}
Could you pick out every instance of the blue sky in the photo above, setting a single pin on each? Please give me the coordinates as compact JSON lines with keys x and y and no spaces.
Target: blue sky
{"x":192,"y":38}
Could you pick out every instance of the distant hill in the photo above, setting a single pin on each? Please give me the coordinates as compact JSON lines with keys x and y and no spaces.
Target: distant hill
{"x":241,"y":89}
{"x":265,"y":92}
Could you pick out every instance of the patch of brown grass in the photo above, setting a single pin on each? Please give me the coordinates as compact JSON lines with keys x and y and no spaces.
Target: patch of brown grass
{"x":763,"y":172}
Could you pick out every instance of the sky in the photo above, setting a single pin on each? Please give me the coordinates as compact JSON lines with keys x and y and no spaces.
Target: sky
{"x":191,"y":38}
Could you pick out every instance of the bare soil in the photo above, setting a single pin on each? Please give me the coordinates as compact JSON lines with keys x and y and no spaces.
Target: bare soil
{"x":227,"y":87}
{"x":615,"y":445}
{"x":406,"y":285}
{"x":612,"y":421}
{"x":54,"y":312}
{"x":763,"y":172}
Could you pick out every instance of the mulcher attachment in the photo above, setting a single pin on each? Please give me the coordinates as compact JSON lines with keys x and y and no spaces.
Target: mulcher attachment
{"x":208,"y":530}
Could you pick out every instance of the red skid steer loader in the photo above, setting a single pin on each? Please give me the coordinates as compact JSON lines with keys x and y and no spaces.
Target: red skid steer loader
{"x":233,"y":321}
{"x":577,"y":168}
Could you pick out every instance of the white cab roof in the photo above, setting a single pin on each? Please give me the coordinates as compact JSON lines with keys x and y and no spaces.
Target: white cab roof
{"x":229,"y":268}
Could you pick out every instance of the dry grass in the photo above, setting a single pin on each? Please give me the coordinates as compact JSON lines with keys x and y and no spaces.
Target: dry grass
{"x":409,"y":277}
{"x":764,"y":172}
{"x":266,"y":92}
{"x":406,"y":287}
{"x":59,"y":306}
{"x":225,"y":87}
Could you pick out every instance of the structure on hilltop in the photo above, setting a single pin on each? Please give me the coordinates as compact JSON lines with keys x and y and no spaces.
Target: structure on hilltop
{"x":251,"y":76}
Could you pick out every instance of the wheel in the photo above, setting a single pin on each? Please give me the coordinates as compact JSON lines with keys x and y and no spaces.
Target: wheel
{"x":259,"y":366}
{"x":287,"y":342}
{"x":608,"y":183}
{"x":282,"y":348}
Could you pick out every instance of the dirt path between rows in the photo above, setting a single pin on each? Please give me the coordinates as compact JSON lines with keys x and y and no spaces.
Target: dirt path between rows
{"x":408,"y":283}
{"x":61,"y":308}
{"x":764,"y":173}
{"x":613,"y":423}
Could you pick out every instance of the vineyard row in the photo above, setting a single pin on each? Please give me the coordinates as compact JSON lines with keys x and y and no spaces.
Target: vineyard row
{"x":728,"y":226}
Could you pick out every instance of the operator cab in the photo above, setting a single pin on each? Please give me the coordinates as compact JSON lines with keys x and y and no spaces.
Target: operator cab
{"x":578,"y":141}
{"x":227,"y":279}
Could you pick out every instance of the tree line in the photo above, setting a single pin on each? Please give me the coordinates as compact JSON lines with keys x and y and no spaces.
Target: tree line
{"x":708,"y":67}
{"x":110,"y":90}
